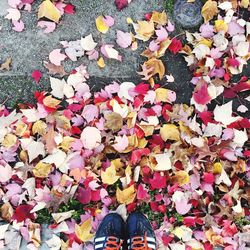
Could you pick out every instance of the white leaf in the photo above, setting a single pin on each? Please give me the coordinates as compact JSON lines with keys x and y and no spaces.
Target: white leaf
{"x":201,"y":51}
{"x":242,"y":48}
{"x":57,"y":87}
{"x":223,"y":114}
{"x":34,"y":149}
{"x":88,"y":43}
{"x":213,"y":129}
{"x":59,"y":217}
{"x":163,"y":162}
{"x":91,"y":137}
{"x":225,"y":6}
{"x":54,"y":243}
{"x":242,"y":109}
{"x":124,"y":88}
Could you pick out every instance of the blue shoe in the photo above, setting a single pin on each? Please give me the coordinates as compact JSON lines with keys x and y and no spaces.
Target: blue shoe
{"x":110,"y":234}
{"x":140,"y":234}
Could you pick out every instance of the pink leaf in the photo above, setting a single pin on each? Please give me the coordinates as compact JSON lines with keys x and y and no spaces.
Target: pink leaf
{"x":124,"y":39}
{"x":109,"y":20}
{"x":142,"y":193}
{"x":18,"y":26}
{"x":182,"y":207}
{"x":49,"y":26}
{"x":5,"y":173}
{"x":36,"y":75}
{"x":201,"y":96}
{"x":56,"y":57}
{"x":121,"y":143}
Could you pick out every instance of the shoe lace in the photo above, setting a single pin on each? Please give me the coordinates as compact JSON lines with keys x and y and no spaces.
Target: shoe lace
{"x":140,"y":243}
{"x":113,"y":243}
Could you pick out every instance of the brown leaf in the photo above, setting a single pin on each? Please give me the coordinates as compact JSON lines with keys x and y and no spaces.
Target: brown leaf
{"x":146,"y":72}
{"x":6,"y":65}
{"x":49,"y":140}
{"x":114,"y":121}
{"x":54,"y":69}
{"x":157,"y":65}
{"x":7,"y":211}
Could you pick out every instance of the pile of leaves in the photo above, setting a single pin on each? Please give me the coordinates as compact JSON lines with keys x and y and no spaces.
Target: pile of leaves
{"x":76,"y":155}
{"x":49,"y":13}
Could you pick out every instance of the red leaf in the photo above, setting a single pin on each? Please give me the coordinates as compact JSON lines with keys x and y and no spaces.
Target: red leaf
{"x":208,"y":178}
{"x":36,"y":75}
{"x":158,"y":181}
{"x":95,"y":195}
{"x":23,"y":212}
{"x":142,"y":193}
{"x":206,"y":117}
{"x":233,"y":62}
{"x":138,"y":153}
{"x":156,"y":141}
{"x":154,"y":206}
{"x":84,"y":195}
{"x":175,"y":46}
{"x":162,"y":209}
{"x":120,"y":4}
{"x":69,"y":9}
{"x":189,"y":221}
{"x":201,"y":96}
{"x":142,"y":88}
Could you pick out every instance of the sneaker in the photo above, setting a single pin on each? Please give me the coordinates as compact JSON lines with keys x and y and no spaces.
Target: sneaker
{"x":110,"y":234}
{"x":140,"y":234}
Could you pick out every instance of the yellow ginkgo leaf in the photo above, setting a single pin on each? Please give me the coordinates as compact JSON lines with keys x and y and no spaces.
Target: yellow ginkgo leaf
{"x":109,"y":176}
{"x":126,"y":196}
{"x":209,"y":10}
{"x":101,"y":25}
{"x":41,"y":170}
{"x":83,"y":231}
{"x":48,"y":9}
{"x":170,"y":132}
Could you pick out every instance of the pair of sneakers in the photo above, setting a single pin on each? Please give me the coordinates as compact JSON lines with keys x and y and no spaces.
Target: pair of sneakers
{"x":136,"y":234}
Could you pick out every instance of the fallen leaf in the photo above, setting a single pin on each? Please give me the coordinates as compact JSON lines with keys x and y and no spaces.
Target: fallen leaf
{"x":7,"y":64}
{"x":163,"y":162}
{"x":54,"y":69}
{"x":124,"y":39}
{"x":35,"y":149}
{"x":48,"y":9}
{"x":113,"y":122}
{"x":36,"y":75}
{"x":144,"y":30}
{"x":101,"y":25}
{"x":101,"y":63}
{"x":88,"y":43}
{"x":209,"y":10}
{"x":47,"y":26}
{"x":41,"y":170}
{"x":126,"y":196}
{"x":83,"y":231}
{"x":157,"y":66}
{"x":170,"y":132}
{"x":56,"y":57}
{"x":91,"y":137}
{"x":18,"y":26}
{"x":109,"y":176}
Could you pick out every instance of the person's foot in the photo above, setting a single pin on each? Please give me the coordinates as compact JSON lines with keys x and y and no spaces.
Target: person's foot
{"x":110,"y":234}
{"x":140,"y":234}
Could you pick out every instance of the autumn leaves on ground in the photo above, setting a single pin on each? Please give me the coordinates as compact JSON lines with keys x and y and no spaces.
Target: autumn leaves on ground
{"x":76,"y":155}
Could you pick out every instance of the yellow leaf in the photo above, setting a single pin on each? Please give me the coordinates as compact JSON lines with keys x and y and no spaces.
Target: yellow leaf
{"x":114,"y":121}
{"x":9,"y":140}
{"x":145,"y":30}
{"x":157,"y":67}
{"x":169,"y":132}
{"x":42,"y":170}
{"x":162,"y":95}
{"x":117,"y":163}
{"x":101,"y":62}
{"x":220,"y":25}
{"x":244,"y":3}
{"x":109,"y":175}
{"x":101,"y":25}
{"x":217,"y":168}
{"x":209,"y":10}
{"x":181,"y":177}
{"x":66,"y":143}
{"x":206,"y":42}
{"x":20,"y":128}
{"x":48,"y":9}
{"x":83,"y":231}
{"x":126,"y":196}
{"x":159,"y":17}
{"x":51,"y":102}
{"x":39,"y":127}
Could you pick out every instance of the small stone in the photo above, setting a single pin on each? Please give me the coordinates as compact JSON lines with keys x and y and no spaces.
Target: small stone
{"x":188,"y":15}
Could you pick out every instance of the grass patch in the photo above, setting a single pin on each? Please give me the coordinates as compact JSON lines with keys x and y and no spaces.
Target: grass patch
{"x":169,"y":6}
